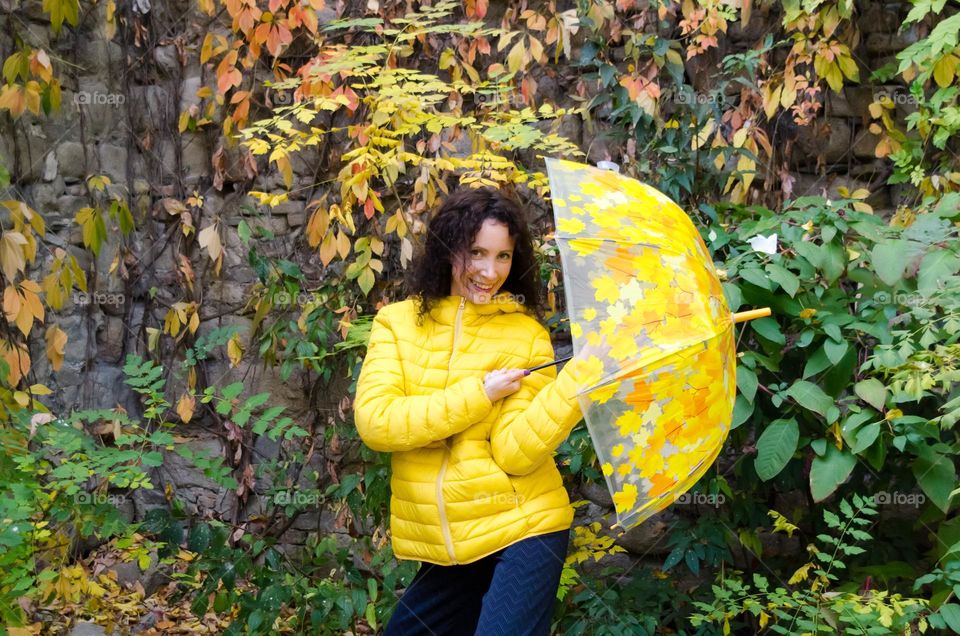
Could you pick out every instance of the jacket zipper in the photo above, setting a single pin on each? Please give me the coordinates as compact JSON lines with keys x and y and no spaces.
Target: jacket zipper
{"x":441,"y":507}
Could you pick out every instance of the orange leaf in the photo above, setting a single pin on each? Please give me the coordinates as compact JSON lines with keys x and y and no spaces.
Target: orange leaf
{"x":228,"y":75}
{"x":185,"y":407}
{"x":56,"y":342}
{"x":11,"y":303}
{"x":12,"y":98}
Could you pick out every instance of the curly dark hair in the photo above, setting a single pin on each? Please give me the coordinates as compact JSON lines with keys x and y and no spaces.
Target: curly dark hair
{"x":450,"y":234}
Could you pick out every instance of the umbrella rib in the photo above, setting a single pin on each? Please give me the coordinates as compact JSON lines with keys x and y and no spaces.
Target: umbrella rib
{"x":659,"y":247}
{"x":627,"y":371}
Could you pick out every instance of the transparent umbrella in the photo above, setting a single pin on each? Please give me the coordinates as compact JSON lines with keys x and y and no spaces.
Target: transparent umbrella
{"x":640,"y":286}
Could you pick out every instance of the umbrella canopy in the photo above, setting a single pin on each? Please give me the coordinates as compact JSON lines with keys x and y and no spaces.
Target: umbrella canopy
{"x":659,"y":391}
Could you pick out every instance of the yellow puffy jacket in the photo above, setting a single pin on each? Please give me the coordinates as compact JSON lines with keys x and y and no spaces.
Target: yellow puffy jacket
{"x":470,"y":477}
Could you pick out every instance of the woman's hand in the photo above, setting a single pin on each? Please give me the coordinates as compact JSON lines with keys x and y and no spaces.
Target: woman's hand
{"x":502,"y":382}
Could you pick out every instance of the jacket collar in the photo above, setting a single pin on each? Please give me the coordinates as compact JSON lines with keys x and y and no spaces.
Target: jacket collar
{"x":445,"y":311}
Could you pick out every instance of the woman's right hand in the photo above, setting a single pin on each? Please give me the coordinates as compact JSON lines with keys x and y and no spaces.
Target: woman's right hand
{"x":502,"y":382}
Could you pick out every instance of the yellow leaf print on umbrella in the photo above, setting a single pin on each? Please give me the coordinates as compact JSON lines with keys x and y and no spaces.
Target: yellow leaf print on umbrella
{"x":638,"y":277}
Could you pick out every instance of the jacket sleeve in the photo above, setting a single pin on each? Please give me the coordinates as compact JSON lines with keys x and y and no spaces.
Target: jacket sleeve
{"x":535,"y":420}
{"x":389,"y":420}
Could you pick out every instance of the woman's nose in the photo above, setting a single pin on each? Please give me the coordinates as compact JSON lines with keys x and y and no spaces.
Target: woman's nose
{"x":487,"y":268}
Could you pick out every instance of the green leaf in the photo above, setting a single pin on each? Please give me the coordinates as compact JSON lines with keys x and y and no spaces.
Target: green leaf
{"x":810,"y":396}
{"x":734,"y":297}
{"x":747,"y":382}
{"x":834,"y":261}
{"x":199,"y":538}
{"x":152,"y":459}
{"x":769,"y":329}
{"x":950,"y":612}
{"x":872,"y":391}
{"x":835,"y":350}
{"x":775,"y":448}
{"x":787,"y":280}
{"x":833,"y":331}
{"x":865,"y":437}
{"x":742,"y":410}
{"x":756,"y":276}
{"x":232,"y":390}
{"x":935,"y":269}
{"x":816,"y":363}
{"x":829,"y":471}
{"x":936,"y":475}
{"x":888,"y":261}
{"x":810,"y":251}
{"x":243,"y":231}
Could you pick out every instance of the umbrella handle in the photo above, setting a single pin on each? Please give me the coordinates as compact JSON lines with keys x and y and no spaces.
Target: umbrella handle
{"x":743,"y":316}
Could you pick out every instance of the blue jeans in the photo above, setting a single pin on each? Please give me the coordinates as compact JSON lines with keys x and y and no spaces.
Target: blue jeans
{"x":509,"y":593}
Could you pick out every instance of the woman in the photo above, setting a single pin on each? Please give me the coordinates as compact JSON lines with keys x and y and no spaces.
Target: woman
{"x":475,"y":494}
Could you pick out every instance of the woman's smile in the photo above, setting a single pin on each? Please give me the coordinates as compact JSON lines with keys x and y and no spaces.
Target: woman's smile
{"x":480,"y":273}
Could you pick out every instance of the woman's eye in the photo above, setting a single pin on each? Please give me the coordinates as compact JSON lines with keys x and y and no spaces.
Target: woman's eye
{"x":506,"y":257}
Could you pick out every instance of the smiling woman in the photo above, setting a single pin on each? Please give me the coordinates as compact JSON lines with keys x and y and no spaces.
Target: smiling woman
{"x":475,"y":494}
{"x":477,"y":245}
{"x":479,"y":275}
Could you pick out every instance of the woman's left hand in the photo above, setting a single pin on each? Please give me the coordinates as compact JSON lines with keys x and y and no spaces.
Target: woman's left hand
{"x":502,"y":382}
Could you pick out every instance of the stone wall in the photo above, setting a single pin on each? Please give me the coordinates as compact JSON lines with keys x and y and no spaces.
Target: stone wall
{"x":121,"y":103}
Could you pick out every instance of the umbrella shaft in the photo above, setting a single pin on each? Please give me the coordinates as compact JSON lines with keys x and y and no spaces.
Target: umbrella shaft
{"x":545,"y":365}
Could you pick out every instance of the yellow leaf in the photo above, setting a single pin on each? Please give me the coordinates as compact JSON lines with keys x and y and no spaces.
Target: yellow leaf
{"x":944,"y":70}
{"x":153,"y":336}
{"x":185,"y":408}
{"x":194,"y":323}
{"x":536,"y":48}
{"x":516,"y":56}
{"x":789,"y":94}
{"x":40,"y":389}
{"x":771,"y":99}
{"x":234,"y":350}
{"x":210,"y":239}
{"x":343,"y":245}
{"x":206,"y":50}
{"x":286,"y":170}
{"x":56,"y":342}
{"x":12,"y":258}
{"x":328,"y":248}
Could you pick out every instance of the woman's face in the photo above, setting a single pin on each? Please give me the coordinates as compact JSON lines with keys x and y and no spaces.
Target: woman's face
{"x":488,"y":263}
